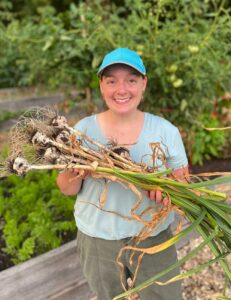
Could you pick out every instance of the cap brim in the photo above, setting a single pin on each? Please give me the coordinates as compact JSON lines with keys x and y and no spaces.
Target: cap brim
{"x":119,"y":62}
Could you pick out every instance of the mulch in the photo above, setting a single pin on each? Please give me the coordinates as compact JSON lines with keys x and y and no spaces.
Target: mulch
{"x":213,"y":165}
{"x":208,"y":284}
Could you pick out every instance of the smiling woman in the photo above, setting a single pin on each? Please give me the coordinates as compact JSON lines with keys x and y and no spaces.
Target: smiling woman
{"x":122,"y":81}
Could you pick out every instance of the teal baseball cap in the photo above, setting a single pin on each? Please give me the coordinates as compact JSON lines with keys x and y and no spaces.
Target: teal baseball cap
{"x":123,"y":56}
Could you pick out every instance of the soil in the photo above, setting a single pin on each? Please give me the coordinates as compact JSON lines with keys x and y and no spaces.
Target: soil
{"x":5,"y":261}
{"x":208,"y":284}
{"x":213,"y":165}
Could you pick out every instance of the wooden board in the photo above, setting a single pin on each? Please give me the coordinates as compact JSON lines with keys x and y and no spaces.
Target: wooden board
{"x":55,"y":275}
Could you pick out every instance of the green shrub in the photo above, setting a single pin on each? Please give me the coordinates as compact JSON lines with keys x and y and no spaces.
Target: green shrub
{"x":36,"y":217}
{"x":187,"y":67}
{"x":204,"y":144}
{"x":7,"y":115}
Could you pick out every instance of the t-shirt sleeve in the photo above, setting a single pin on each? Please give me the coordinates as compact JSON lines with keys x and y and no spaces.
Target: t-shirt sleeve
{"x":176,"y":158}
{"x":82,"y":125}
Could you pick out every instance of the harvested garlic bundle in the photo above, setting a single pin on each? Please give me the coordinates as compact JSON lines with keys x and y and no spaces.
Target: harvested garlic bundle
{"x":21,"y":166}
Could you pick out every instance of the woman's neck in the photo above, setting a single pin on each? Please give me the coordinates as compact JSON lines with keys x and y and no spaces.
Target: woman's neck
{"x":125,"y":129}
{"x":122,"y":119}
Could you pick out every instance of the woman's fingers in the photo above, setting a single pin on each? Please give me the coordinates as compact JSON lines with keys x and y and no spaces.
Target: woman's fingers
{"x":157,"y":196}
{"x":74,"y":171}
{"x":147,"y":193}
{"x":152,"y":195}
{"x":166,"y":201}
{"x":78,"y":174}
{"x":86,"y":174}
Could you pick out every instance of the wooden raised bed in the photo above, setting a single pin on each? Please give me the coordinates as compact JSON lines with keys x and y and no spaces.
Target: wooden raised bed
{"x":55,"y":275}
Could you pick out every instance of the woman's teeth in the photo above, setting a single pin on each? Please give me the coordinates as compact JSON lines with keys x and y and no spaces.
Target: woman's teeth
{"x":122,"y":100}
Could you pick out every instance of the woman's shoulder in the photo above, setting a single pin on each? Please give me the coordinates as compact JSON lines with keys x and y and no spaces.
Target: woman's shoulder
{"x":85,"y":122}
{"x":157,"y":122}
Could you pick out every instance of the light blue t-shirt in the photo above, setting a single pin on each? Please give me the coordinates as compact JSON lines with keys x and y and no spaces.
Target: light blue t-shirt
{"x":120,"y":199}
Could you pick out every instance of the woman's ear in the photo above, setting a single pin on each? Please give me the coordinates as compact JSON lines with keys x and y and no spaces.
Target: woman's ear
{"x":100,"y":85}
{"x":101,"y":88}
{"x":145,"y":83}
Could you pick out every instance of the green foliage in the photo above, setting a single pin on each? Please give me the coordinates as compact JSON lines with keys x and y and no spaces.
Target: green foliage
{"x":20,"y":9}
{"x":6,"y":115}
{"x":36,"y":216}
{"x":227,"y":145}
{"x":204,"y":144}
{"x":178,"y":40}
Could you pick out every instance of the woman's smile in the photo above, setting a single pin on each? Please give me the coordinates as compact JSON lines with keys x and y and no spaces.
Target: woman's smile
{"x":122,"y":100}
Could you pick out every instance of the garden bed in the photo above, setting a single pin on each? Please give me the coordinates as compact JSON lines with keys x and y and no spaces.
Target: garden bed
{"x":213,"y":165}
{"x":57,"y":275}
{"x":54,"y":275}
{"x":208,"y":284}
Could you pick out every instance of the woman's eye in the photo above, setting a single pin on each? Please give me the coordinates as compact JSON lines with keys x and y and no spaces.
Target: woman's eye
{"x":132,"y":80}
{"x":111,"y":81}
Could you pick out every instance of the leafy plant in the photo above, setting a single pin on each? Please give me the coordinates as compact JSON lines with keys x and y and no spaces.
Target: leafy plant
{"x":6,"y":115}
{"x":203,"y":144}
{"x":36,"y":216}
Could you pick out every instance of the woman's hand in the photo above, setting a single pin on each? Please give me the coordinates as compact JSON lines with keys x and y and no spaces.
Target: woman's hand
{"x":77,"y":173}
{"x":157,"y":195}
{"x":70,"y":181}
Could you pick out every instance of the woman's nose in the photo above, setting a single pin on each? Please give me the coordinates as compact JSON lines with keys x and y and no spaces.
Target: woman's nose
{"x":121,"y":88}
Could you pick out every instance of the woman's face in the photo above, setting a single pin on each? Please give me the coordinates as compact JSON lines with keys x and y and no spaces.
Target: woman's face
{"x":122,"y":88}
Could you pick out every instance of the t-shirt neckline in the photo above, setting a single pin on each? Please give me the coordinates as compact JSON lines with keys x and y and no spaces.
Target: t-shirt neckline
{"x":107,"y":140}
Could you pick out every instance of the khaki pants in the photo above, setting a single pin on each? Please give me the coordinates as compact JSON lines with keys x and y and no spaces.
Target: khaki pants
{"x":98,"y":256}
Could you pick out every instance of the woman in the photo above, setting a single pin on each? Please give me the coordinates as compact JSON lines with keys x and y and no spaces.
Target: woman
{"x":122,"y":81}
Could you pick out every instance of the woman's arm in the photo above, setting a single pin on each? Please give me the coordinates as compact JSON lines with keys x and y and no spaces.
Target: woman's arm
{"x":69,"y":182}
